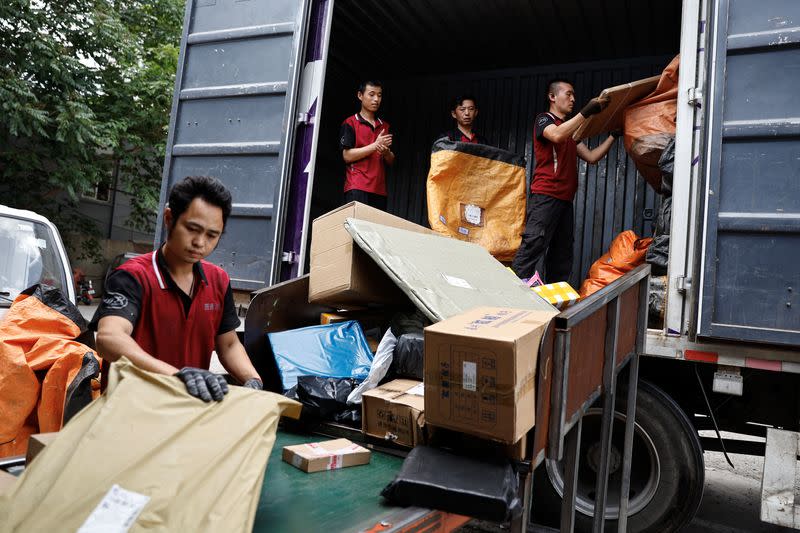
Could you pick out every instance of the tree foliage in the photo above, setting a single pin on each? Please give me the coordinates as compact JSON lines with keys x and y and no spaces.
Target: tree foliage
{"x":85,"y":85}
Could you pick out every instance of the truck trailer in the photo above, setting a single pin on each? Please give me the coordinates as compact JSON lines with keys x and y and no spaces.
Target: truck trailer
{"x":263,"y":85}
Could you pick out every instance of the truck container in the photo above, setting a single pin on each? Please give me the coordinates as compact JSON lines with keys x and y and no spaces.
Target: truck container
{"x":263,"y":86}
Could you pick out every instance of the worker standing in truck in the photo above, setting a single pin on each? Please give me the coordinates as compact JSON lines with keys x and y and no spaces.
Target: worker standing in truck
{"x":464,"y":110}
{"x":366,"y":146}
{"x":168,"y":310}
{"x":549,"y":226}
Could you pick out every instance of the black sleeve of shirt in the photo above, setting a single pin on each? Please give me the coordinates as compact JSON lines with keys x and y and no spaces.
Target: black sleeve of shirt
{"x":481,"y":139}
{"x":122,"y":296}
{"x":542,"y":121}
{"x":347,"y":137}
{"x":230,"y":320}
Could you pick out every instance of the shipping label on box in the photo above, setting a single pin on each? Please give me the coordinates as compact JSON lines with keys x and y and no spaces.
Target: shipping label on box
{"x":327,"y":455}
{"x":480,"y":371}
{"x":395,"y":412}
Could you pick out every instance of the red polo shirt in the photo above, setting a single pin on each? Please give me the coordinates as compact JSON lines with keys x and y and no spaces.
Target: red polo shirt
{"x":170,"y":325}
{"x":556,"y":172}
{"x":368,"y":174}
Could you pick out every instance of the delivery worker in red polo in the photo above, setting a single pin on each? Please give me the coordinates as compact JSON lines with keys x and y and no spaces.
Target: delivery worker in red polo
{"x":464,"y":110}
{"x":166,"y":311}
{"x":549,"y":227}
{"x":366,"y":148}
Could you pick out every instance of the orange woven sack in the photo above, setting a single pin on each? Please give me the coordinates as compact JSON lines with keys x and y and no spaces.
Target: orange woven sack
{"x":650,"y":124}
{"x":627,"y":251}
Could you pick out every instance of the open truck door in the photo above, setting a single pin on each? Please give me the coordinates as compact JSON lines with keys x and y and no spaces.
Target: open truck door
{"x":752,"y":196}
{"x":234,"y":116}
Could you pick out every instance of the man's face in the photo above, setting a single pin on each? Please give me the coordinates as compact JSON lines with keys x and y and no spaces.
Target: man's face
{"x":564,"y":98}
{"x":196,"y":232}
{"x":465,"y":113}
{"x":371,"y":98}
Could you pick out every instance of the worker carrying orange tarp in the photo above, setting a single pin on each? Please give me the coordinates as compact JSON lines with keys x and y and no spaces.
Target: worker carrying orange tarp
{"x":45,"y":373}
{"x":476,"y":193}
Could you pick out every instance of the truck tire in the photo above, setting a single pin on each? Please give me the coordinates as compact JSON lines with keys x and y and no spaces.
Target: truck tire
{"x":667,"y":474}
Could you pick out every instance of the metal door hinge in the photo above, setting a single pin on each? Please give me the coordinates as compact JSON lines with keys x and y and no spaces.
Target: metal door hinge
{"x":289,"y":257}
{"x":303,"y":118}
{"x":683,"y":284}
{"x":695,"y":97}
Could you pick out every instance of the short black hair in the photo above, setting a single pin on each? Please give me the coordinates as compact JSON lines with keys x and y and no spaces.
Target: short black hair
{"x":551,"y":86}
{"x":458,"y":100}
{"x":209,"y":189}
{"x":375,"y":83}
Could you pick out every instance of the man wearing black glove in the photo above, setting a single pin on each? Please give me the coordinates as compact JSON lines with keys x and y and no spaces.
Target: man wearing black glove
{"x":168,"y":310}
{"x":549,"y":227}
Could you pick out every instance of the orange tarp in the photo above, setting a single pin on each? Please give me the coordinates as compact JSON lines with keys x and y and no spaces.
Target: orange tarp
{"x":39,"y":358}
{"x":650,"y":124}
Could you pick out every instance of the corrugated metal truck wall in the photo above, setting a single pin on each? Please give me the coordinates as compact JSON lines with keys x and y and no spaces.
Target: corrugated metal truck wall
{"x":612,"y":197}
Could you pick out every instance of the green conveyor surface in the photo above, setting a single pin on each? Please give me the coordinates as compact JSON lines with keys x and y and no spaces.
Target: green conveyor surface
{"x":330,"y":501}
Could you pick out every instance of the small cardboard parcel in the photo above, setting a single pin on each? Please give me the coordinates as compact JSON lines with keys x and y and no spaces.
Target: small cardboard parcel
{"x":395,"y":411}
{"x":326,"y":455}
{"x":480,"y":371}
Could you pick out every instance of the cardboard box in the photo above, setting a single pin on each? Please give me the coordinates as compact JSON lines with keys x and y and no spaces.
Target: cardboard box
{"x":480,"y":371}
{"x":341,"y":273}
{"x":6,"y":481}
{"x":326,"y":455}
{"x":395,"y":411}
{"x":560,"y":294}
{"x":37,"y":443}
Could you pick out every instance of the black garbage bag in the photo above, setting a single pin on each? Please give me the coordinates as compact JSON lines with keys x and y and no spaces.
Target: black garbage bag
{"x":433,"y":478}
{"x":658,"y":251}
{"x":408,"y":361}
{"x":409,"y":322}
{"x":326,"y":399}
{"x":666,"y":163}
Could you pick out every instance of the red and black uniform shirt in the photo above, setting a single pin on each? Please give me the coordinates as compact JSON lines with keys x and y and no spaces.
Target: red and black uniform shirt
{"x":556,"y":171}
{"x":456,"y":135}
{"x":167,"y":323}
{"x":368,"y":174}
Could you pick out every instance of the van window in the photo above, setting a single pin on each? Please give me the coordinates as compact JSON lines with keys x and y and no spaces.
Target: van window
{"x":28,"y":255}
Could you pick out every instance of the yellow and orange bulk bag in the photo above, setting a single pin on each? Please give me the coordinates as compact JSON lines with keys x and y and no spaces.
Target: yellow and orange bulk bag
{"x":476,"y":193}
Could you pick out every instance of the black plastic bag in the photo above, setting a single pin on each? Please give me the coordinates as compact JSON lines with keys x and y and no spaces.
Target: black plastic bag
{"x":326,"y":399}
{"x":666,"y":163}
{"x":408,"y":360}
{"x":437,"y":479}
{"x":658,"y":251}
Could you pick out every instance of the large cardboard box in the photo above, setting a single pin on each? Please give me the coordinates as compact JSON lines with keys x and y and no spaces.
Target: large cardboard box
{"x":341,"y":273}
{"x":395,"y":411}
{"x":480,"y":371}
{"x":326,"y":455}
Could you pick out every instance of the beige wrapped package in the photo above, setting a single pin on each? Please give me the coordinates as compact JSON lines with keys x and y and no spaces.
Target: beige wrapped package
{"x":476,"y":193}
{"x":198,"y":466}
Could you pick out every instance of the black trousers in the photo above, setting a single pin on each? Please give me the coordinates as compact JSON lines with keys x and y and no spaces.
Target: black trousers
{"x":371,"y":199}
{"x":549,"y":234}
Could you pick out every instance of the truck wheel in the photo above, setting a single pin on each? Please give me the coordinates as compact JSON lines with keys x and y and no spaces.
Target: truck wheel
{"x":667,"y":473}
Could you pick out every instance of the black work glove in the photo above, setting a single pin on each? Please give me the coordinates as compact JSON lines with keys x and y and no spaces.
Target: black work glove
{"x":253,"y":383}
{"x":203,"y":384}
{"x":595,"y":105}
{"x":617,"y":134}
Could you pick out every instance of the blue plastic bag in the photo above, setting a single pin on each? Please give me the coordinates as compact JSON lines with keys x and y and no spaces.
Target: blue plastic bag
{"x":332,"y":351}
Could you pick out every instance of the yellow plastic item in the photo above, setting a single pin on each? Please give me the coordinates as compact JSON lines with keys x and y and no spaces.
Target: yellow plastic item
{"x":560,"y":294}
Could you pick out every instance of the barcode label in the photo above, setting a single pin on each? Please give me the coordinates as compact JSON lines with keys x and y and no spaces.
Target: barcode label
{"x":470,"y":376}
